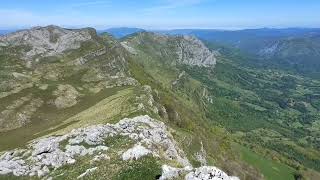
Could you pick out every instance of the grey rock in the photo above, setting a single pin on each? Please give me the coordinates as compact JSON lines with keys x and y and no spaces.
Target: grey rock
{"x":46,"y":145}
{"x":43,"y":172}
{"x":192,"y":51}
{"x":129,"y":48}
{"x":84,"y":59}
{"x":151,"y":137}
{"x":135,"y":153}
{"x":55,"y":159}
{"x":76,"y":150}
{"x":208,"y":173}
{"x":46,"y":41}
{"x":188,"y":49}
{"x":10,"y":164}
{"x":88,"y":171}
{"x":169,"y":172}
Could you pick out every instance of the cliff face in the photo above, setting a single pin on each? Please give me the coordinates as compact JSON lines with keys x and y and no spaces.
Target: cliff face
{"x":186,"y":50}
{"x":47,"y":41}
{"x":192,"y":51}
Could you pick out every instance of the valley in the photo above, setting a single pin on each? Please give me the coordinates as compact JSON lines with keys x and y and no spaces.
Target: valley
{"x":187,"y":105}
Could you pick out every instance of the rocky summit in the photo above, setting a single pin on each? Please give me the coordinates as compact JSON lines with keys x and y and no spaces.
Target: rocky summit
{"x":186,"y":49}
{"x":46,"y":41}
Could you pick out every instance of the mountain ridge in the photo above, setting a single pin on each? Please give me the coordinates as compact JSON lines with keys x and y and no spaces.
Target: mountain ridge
{"x":199,"y":91}
{"x":86,"y":86}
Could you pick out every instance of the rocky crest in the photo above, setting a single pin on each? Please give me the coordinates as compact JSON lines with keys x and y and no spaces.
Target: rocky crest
{"x":192,"y":51}
{"x":187,"y":49}
{"x":46,"y":41}
{"x":150,"y":136}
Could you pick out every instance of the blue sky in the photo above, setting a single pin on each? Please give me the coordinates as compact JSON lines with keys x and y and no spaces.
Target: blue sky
{"x":161,"y":14}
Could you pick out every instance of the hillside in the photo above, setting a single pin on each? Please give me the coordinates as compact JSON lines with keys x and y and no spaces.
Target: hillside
{"x":45,"y":71}
{"x":76,"y":104}
{"x":293,"y":49}
{"x":301,"y":54}
{"x":267,"y":110}
{"x":65,"y":94}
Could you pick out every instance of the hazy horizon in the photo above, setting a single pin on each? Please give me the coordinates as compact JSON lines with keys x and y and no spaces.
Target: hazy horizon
{"x":161,"y":14}
{"x":158,"y":29}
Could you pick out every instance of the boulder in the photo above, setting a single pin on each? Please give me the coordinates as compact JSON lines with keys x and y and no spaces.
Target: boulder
{"x":135,"y":153}
{"x":66,"y":96}
{"x":88,"y":171}
{"x":208,"y":173}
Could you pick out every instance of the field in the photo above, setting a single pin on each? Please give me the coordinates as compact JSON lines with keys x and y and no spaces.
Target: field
{"x":273,"y":112}
{"x":270,"y":169}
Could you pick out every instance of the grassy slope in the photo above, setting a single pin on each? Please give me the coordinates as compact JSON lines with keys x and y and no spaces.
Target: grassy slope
{"x":54,"y":119}
{"x":191,"y":126}
{"x":64,"y":71}
{"x":244,"y":99}
{"x":256,"y":101}
{"x":189,"y":130}
{"x":271,"y":170}
{"x":109,"y":109}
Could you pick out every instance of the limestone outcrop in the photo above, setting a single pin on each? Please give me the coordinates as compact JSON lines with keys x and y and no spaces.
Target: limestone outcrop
{"x":151,"y":138}
{"x":187,"y":50}
{"x":46,"y":41}
{"x":150,"y":135}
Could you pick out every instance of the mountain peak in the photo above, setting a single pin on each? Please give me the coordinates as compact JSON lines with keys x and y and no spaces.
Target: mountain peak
{"x":47,"y":41}
{"x":188,"y":50}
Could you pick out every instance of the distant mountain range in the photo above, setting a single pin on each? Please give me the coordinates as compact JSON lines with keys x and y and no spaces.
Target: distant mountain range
{"x":221,"y":35}
{"x":250,"y":40}
{"x":121,"y":32}
{"x":2,"y":32}
{"x":224,"y":36}
{"x":291,"y":48}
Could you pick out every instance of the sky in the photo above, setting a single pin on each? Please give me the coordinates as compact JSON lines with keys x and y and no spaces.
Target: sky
{"x":160,"y":14}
